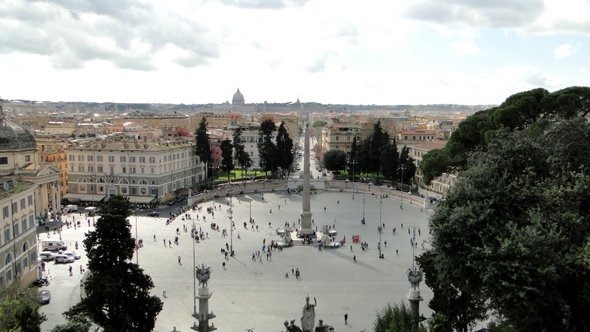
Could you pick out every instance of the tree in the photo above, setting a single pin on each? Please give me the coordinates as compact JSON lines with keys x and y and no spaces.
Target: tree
{"x":227,"y":162}
{"x":376,"y":142}
{"x":353,"y":157}
{"x":117,"y":290}
{"x":284,"y":149}
{"x":241,"y":156}
{"x":267,"y":149}
{"x":75,"y":323}
{"x":514,"y":229}
{"x":407,"y":167}
{"x":203,"y":149}
{"x":19,"y":311}
{"x":335,"y":160}
{"x":396,"y":318}
{"x":388,"y":161}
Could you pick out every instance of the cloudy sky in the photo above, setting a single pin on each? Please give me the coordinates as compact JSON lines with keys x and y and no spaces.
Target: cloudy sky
{"x":329,"y":51}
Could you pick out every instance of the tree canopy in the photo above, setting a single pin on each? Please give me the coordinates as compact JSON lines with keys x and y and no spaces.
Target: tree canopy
{"x":19,"y":310}
{"x":335,"y":160}
{"x":518,"y":112}
{"x":284,"y":149}
{"x":227,"y":161}
{"x":267,"y":149}
{"x":512,"y":236}
{"x":241,"y":157}
{"x":117,"y":290}
{"x":203,"y":149}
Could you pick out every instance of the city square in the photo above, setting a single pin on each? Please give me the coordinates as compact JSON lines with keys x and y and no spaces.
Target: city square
{"x":260,"y":293}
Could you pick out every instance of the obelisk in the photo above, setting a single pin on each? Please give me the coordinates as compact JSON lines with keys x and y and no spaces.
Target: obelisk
{"x":306,"y":212}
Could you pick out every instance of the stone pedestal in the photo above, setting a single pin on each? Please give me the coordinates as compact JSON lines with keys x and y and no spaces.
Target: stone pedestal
{"x":414,"y":298}
{"x":204,"y":315}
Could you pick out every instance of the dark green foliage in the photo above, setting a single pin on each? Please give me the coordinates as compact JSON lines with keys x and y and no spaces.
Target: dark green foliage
{"x":241,"y":156}
{"x":267,"y":149}
{"x":396,"y":319}
{"x":389,"y":160}
{"x":375,"y":145}
{"x":284,"y":149}
{"x":335,"y":160}
{"x":227,"y":161}
{"x":203,"y":149}
{"x":353,"y":161}
{"x":519,"y":111}
{"x":117,"y":290}
{"x":407,"y":167}
{"x":75,"y":323}
{"x":511,"y":235}
{"x":19,"y":311}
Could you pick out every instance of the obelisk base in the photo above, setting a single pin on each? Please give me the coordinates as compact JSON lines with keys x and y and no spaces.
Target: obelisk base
{"x":306,"y":223}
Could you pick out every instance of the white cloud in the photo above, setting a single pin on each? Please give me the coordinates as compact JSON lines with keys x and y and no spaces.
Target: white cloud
{"x":465,"y":47}
{"x":564,"y":51}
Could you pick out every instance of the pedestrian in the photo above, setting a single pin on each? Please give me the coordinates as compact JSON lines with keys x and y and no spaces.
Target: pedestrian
{"x":164,"y":242}
{"x":179,"y":263}
{"x":223,"y":264}
{"x":346,"y":319}
{"x":396,"y":252}
{"x":354,"y":258}
{"x":70,"y":268}
{"x":164,"y":293}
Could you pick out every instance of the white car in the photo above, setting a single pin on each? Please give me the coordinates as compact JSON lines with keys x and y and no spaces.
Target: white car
{"x":72,"y":254}
{"x":46,"y":255}
{"x":61,"y":258}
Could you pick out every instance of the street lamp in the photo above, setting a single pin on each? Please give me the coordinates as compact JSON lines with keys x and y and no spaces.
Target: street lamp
{"x":231,"y":226}
{"x":401,"y":201}
{"x":193,"y":233}
{"x":353,"y":164}
{"x":136,"y":241}
{"x":380,"y":227}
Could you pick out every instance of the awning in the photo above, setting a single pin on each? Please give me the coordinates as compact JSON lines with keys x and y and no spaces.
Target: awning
{"x":85,"y":197}
{"x":141,"y":199}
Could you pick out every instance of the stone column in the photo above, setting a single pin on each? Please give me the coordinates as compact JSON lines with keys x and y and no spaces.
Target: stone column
{"x":306,"y":211}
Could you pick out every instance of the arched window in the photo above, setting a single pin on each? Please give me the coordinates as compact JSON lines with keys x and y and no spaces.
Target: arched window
{"x":8,"y":259}
{"x":123,"y":181}
{"x":143,"y":182}
{"x":101,"y":180}
{"x":25,"y":246}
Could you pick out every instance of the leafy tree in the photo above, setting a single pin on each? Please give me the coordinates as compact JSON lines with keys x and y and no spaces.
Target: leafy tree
{"x":389,"y":161}
{"x":519,"y":111}
{"x":319,"y":123}
{"x":267,"y":149}
{"x":203,"y":149}
{"x":117,"y":290}
{"x":407,"y":167}
{"x":284,"y":148}
{"x":514,"y":229}
{"x":396,"y":318}
{"x":353,"y":161}
{"x":75,"y":323}
{"x":19,"y":311}
{"x":241,"y":156}
{"x":335,"y":160}
{"x":227,"y":162}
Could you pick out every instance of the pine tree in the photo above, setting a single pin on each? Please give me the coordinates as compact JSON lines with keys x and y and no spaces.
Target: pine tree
{"x":240,"y":155}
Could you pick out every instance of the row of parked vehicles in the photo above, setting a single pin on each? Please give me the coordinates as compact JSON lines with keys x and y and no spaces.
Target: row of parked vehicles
{"x":56,"y":250}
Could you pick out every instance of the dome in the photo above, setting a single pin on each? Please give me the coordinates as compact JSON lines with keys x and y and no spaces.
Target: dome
{"x":238,"y":98}
{"x":14,"y":137}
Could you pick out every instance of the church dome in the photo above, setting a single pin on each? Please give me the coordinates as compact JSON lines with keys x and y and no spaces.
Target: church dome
{"x":238,"y":98}
{"x":15,"y":138}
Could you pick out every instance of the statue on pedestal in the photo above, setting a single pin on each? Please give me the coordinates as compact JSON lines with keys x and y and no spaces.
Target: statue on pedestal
{"x":308,"y":315}
{"x":414,"y":277}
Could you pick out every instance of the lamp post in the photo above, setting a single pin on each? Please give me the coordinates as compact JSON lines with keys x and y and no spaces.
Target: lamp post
{"x":231,"y":226}
{"x":380,"y":227}
{"x":353,"y":164}
{"x":193,"y":231}
{"x":401,"y":201}
{"x":250,"y":212}
{"x":136,"y":241}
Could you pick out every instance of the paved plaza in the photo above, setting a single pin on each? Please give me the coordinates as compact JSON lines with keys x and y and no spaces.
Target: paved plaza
{"x":256,"y":294}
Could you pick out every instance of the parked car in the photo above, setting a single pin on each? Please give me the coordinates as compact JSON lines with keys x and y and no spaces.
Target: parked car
{"x":73,"y":254}
{"x":40,"y":282}
{"x":154,"y":214}
{"x":61,"y":258}
{"x":44,"y":296}
{"x":47,"y":256}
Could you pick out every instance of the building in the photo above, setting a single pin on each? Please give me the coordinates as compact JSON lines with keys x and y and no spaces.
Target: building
{"x":238,"y":99}
{"x":339,"y":136}
{"x":52,"y":151}
{"x":28,"y":189}
{"x":440,"y":186}
{"x":144,"y":170}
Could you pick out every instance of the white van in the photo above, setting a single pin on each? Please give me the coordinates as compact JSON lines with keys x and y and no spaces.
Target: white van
{"x":71,"y":208}
{"x":53,"y":245}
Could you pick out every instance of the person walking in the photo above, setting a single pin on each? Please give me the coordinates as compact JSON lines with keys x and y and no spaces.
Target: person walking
{"x":345,"y":319}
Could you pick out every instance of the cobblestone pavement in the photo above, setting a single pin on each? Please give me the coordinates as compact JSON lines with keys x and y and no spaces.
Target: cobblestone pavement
{"x":256,"y":294}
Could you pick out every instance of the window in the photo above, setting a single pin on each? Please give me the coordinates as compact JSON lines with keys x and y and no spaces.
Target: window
{"x":122,"y":159}
{"x":24,"y":224}
{"x":123,"y":190}
{"x":111,"y":170}
{"x":142,"y":160}
{"x":3,"y":160}
{"x":71,"y":157}
{"x":99,"y":158}
{"x":90,"y":169}
{"x":5,"y":212}
{"x":132,"y":170}
{"x":15,"y":231}
{"x":31,"y":221}
{"x":30,"y":200}
{"x":6,"y":235}
{"x":111,"y":159}
{"x":99,"y":169}
{"x":80,"y":157}
{"x":123,"y":169}
{"x":14,"y":207}
{"x":90,"y":158}
{"x":23,"y":204}
{"x":132,"y":159}
{"x":142,"y":170}
{"x":152,"y":170}
{"x":80,"y":168}
{"x":71,"y":168}
{"x":152,"y":160}
{"x":27,"y":158}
